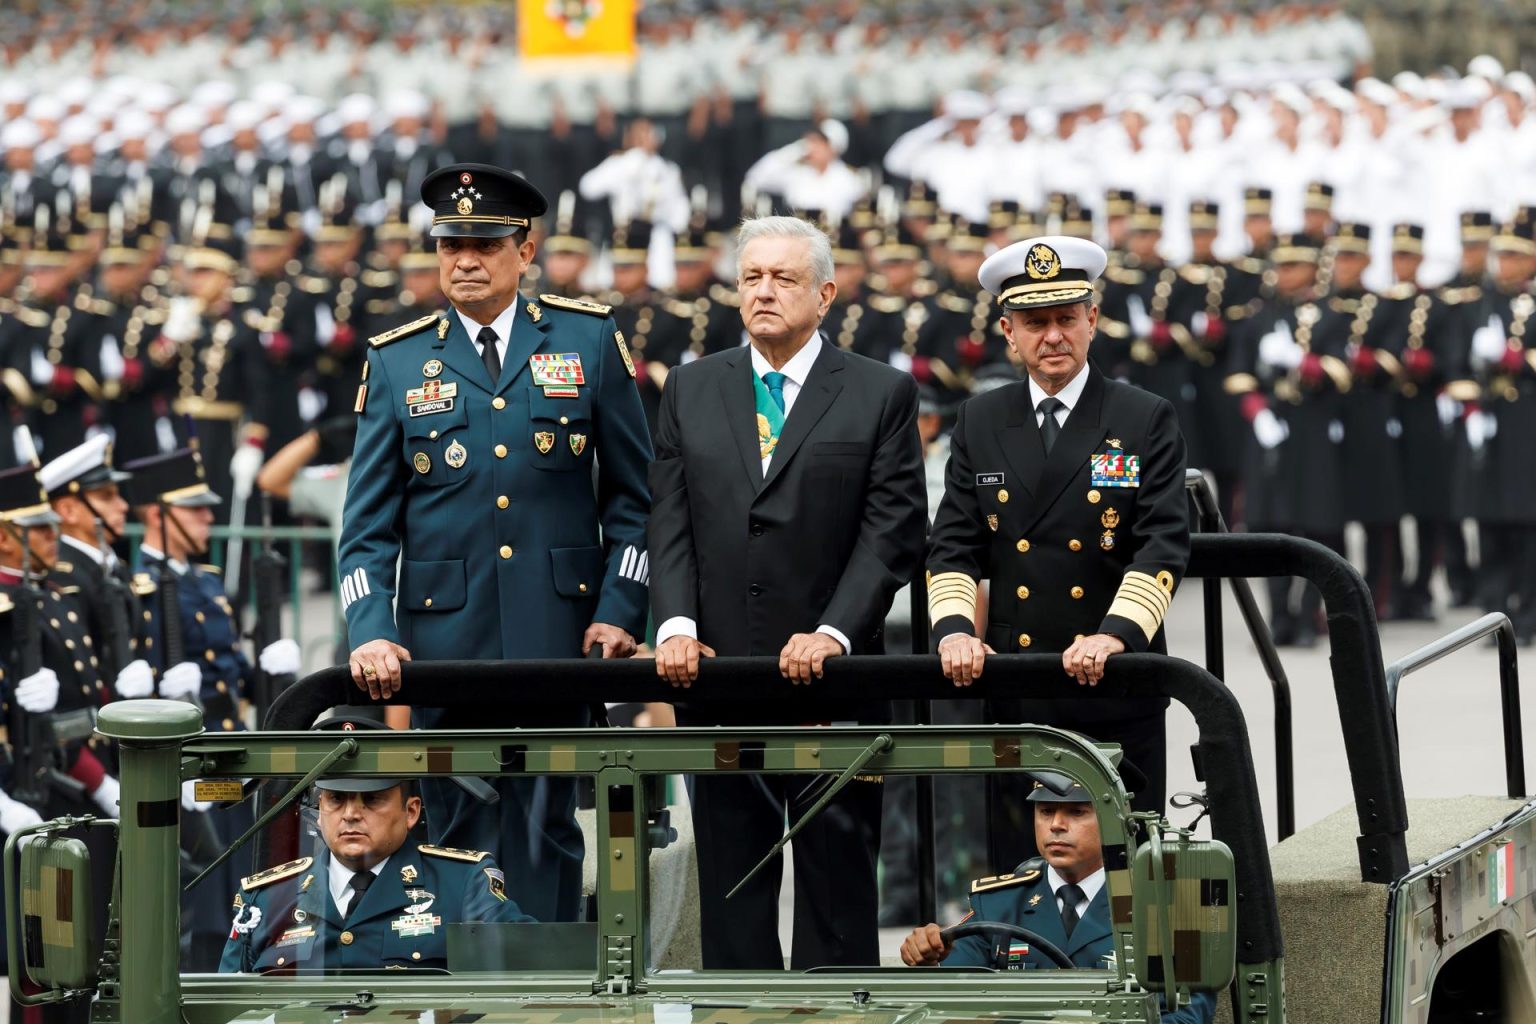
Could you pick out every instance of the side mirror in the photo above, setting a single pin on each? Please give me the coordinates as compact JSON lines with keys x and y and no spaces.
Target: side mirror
{"x":1182,"y":891}
{"x":56,"y":901}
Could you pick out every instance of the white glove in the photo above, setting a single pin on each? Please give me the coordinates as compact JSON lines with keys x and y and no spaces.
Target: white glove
{"x":136,"y":679}
{"x":244,"y":467}
{"x":1447,"y":408}
{"x":42,"y":369}
{"x":280,"y":657}
{"x":1270,"y":429}
{"x":1480,"y":429}
{"x":15,"y":815}
{"x":181,"y":682}
{"x":1199,"y":322}
{"x":189,"y":800}
{"x":183,"y":319}
{"x":1140,"y":319}
{"x":39,"y":691}
{"x":105,"y":796}
{"x":1488,"y":341}
{"x":1279,"y":349}
{"x":112,"y":365}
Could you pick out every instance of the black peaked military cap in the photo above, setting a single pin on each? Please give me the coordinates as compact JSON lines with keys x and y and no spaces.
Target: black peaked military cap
{"x":339,"y":720}
{"x":22,"y":500}
{"x":480,"y":201}
{"x":175,"y":478}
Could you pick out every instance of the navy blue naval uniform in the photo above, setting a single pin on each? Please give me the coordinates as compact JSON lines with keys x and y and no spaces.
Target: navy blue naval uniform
{"x":286,"y":920}
{"x":517,"y":512}
{"x":210,"y":637}
{"x":1024,"y":898}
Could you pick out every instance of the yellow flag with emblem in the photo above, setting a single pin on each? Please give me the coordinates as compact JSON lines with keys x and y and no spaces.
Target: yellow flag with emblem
{"x":576,"y":28}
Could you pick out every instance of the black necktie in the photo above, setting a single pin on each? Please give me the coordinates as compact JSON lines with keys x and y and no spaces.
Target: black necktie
{"x":1071,"y":894}
{"x":489,"y":355}
{"x":360,"y":883}
{"x":1050,"y":430}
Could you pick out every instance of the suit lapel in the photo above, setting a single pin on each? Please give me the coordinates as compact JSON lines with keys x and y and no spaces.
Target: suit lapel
{"x":1020,"y":441}
{"x":1079,"y":437}
{"x":1092,"y":927}
{"x":527,"y":336}
{"x":740,"y":404}
{"x":458,"y":352}
{"x":816,"y":397}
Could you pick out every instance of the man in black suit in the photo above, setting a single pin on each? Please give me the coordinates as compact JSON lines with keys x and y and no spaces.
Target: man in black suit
{"x":788,"y":508}
{"x":1066,"y":491}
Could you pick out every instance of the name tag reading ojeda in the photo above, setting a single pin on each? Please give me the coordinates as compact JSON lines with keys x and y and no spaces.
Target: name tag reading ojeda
{"x":989,"y":479}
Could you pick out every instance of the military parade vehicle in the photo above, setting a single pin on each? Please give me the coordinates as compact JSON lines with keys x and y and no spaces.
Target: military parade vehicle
{"x":1405,"y":912}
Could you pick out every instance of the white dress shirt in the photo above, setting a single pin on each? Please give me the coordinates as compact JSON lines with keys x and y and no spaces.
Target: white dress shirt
{"x":91,"y":551}
{"x":795,"y":371}
{"x":1090,"y":886}
{"x":502,"y":325}
{"x":178,"y":567}
{"x":1068,"y":396}
{"x":340,"y":878}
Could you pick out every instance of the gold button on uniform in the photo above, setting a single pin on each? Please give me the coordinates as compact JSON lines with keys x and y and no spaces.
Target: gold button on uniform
{"x":564,"y":420}
{"x":498,"y":402}
{"x":416,"y":956}
{"x":427,"y":603}
{"x":501,"y":451}
{"x":1093,"y":497}
{"x":1023,"y":546}
{"x":1024,"y":640}
{"x":281,"y":960}
{"x":1023,"y":593}
{"x":1002,"y":496}
{"x":1074,"y":545}
{"x":581,"y":587}
{"x":1077,"y":592}
{"x":506,"y":551}
{"x":346,"y":938}
{"x":433,"y":435}
{"x":501,"y":501}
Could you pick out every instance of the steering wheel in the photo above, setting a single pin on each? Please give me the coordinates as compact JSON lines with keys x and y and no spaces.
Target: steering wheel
{"x":1052,"y":952}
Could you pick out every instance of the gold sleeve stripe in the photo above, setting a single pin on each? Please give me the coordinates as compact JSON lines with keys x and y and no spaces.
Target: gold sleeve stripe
{"x":951,"y":593}
{"x":1240,"y":384}
{"x":1142,"y":601}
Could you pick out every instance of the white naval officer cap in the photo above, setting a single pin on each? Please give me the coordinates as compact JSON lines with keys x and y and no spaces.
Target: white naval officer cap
{"x":966,"y":105}
{"x":1049,"y":270}
{"x":85,"y":466}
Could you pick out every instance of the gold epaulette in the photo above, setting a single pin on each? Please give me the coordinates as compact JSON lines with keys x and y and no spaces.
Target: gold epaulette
{"x":1400,"y":291}
{"x":61,"y":566}
{"x":33,"y":317}
{"x":1195,"y":273}
{"x":1004,"y":881}
{"x":1250,"y":265}
{"x":680,"y":308}
{"x":210,"y":568}
{"x":924,"y":288}
{"x":396,"y":333}
{"x":66,"y":590}
{"x":143,"y":584}
{"x":1113,"y":328}
{"x":724,"y":294}
{"x":314,"y":285}
{"x":956,"y":303}
{"x":242,"y":293}
{"x":887,"y":303}
{"x":469,"y":856}
{"x":577,"y":305}
{"x":378,"y":278}
{"x":98,"y":307}
{"x":250,"y":883}
{"x":1125,"y":275}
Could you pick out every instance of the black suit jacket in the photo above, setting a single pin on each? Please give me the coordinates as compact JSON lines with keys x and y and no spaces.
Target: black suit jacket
{"x":827,"y":537}
{"x":1067,"y":554}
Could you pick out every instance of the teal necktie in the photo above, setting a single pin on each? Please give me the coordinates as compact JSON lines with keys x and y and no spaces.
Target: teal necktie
{"x":774,"y":381}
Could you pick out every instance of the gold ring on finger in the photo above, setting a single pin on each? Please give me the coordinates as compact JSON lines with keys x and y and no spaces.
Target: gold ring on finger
{"x":369,"y":672}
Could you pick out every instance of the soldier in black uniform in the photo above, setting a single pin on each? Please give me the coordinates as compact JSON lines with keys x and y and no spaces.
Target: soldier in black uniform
{"x":420,"y":291}
{"x":961,"y":331}
{"x":848,"y":323}
{"x":896,"y":310}
{"x":1290,"y":385}
{"x":139,"y":394}
{"x":281,"y":316}
{"x":692,"y":321}
{"x":637,"y":310}
{"x":564,"y":254}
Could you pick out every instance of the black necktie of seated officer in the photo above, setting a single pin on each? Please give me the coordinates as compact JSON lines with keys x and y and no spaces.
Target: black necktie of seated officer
{"x":360,"y":883}
{"x":488,"y":354}
{"x":1071,"y":894}
{"x":1050,"y":430}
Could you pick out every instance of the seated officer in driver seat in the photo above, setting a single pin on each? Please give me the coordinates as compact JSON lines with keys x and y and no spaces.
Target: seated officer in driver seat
{"x":374,"y":898}
{"x":1060,"y":896}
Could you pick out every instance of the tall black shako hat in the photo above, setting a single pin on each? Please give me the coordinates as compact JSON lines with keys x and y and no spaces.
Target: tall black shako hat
{"x":175,"y":478}
{"x":22,"y":500}
{"x":1048,"y":270}
{"x":480,"y":201}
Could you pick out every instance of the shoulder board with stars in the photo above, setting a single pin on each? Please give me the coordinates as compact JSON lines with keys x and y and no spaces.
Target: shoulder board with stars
{"x":250,"y":883}
{"x":1004,"y":881}
{"x":468,"y":856}
{"x":395,"y":333}
{"x":576,"y":305}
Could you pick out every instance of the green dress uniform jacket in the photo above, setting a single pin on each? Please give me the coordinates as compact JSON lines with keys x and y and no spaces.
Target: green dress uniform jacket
{"x":286,"y":920}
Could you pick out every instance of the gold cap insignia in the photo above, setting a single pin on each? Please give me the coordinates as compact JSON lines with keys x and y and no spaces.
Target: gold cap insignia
{"x":455,"y":455}
{"x":1043,"y":263}
{"x":578,"y":443}
{"x":432,"y":367}
{"x":422,"y":463}
{"x":544,"y":440}
{"x":466,"y":206}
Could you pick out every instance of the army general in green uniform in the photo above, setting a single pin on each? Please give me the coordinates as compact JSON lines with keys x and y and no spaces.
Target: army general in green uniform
{"x":374,"y":897}
{"x":501,"y":460}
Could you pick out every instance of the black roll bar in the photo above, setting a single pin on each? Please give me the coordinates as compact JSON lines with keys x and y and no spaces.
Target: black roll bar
{"x":1497,"y":625}
{"x":1236,"y":818}
{"x":1208,"y":519}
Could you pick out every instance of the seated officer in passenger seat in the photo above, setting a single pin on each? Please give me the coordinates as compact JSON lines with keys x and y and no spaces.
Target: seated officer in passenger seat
{"x":1060,"y":896}
{"x":375,"y":897}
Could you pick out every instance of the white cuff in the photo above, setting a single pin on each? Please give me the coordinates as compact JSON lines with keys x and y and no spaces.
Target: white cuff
{"x":677,"y":625}
{"x":836,"y":634}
